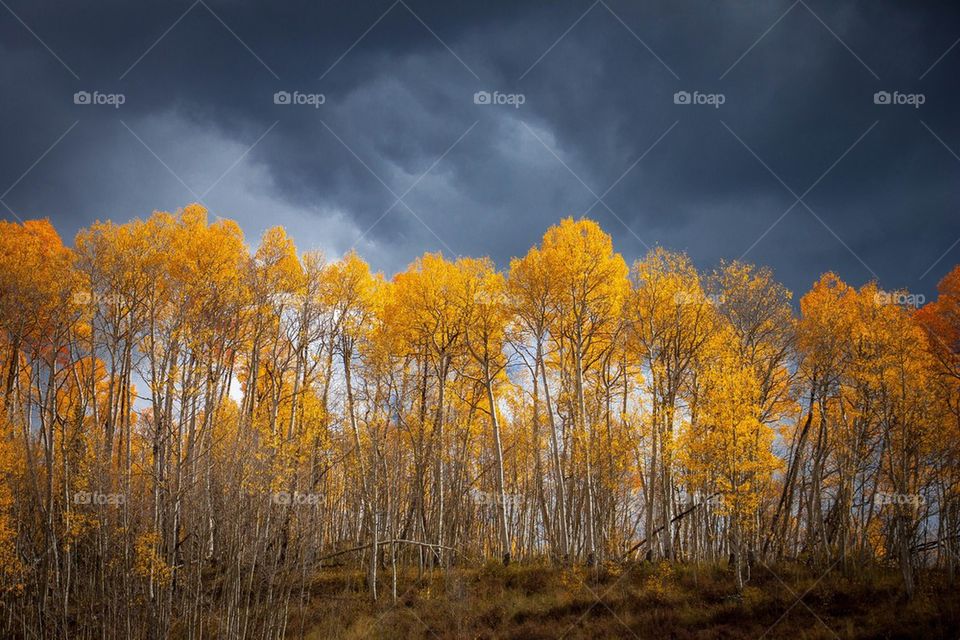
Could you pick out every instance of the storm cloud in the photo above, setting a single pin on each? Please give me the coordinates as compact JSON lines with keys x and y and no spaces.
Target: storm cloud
{"x":808,"y":135}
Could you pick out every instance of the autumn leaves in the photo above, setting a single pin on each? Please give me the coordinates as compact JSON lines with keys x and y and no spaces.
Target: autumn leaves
{"x":599,"y":410}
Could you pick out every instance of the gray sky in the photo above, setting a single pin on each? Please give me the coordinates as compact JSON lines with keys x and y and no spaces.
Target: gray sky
{"x":400,"y":159}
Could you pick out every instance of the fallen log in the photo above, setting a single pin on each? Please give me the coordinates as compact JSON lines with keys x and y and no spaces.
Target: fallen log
{"x":675,"y":518}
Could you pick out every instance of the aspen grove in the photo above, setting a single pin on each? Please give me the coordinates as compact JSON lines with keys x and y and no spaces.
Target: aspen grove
{"x":191,"y":431}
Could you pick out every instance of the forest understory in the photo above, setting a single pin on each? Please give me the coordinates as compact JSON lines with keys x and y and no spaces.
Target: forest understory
{"x":642,"y":600}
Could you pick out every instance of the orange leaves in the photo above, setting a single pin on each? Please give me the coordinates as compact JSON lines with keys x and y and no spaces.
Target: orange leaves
{"x":11,"y":567}
{"x":872,"y":370}
{"x":669,"y":314}
{"x":758,"y":311}
{"x":276,"y":265}
{"x":428,"y":302}
{"x":36,"y":282}
{"x":354,"y":293}
{"x":485,"y":309}
{"x":941,"y":320}
{"x":726,"y":447}
{"x":589,"y":278}
{"x":148,"y":562}
{"x":826,"y":321}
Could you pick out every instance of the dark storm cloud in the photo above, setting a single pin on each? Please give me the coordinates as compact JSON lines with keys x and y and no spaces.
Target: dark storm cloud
{"x":878,"y":182}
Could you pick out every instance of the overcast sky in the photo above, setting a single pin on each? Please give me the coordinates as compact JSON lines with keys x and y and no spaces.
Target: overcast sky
{"x":787,"y":160}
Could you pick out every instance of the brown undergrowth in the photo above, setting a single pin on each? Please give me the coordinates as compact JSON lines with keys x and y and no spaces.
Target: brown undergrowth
{"x":642,"y":600}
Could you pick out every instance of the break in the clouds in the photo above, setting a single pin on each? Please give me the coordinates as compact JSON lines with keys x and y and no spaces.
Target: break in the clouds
{"x":807,"y":135}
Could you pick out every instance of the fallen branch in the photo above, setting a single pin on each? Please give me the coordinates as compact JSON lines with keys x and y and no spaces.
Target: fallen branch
{"x":675,"y":518}
{"x":383,"y":542}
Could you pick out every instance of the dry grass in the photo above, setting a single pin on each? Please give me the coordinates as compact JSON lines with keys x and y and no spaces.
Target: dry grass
{"x":646,"y":601}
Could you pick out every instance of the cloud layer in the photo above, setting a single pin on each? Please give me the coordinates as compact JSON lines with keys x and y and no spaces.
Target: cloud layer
{"x":798,"y":168}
